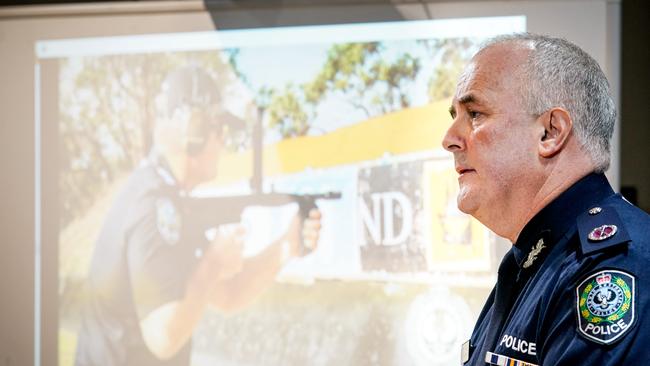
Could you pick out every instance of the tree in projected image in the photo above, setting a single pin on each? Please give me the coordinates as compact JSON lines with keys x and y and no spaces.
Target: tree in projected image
{"x":374,"y":83}
{"x":288,"y":112}
{"x":452,"y":55}
{"x":375,"y":78}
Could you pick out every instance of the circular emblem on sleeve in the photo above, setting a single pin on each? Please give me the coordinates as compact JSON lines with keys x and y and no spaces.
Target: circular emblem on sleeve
{"x":602,"y":232}
{"x":605,"y":304}
{"x":168,"y":220}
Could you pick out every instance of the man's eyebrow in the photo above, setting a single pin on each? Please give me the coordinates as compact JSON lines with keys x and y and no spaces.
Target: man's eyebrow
{"x":465,"y":99}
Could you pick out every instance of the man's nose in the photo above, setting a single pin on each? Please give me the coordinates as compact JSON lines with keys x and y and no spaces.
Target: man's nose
{"x":453,"y":140}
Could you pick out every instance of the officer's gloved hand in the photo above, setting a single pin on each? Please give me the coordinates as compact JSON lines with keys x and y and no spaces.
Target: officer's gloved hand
{"x":225,"y":254}
{"x":303,"y":237}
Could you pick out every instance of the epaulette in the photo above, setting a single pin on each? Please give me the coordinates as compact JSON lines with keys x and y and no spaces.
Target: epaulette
{"x":600,"y":228}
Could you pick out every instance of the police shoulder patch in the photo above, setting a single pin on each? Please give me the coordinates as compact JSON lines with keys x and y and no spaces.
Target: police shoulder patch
{"x":605,"y":305}
{"x":168,"y":220}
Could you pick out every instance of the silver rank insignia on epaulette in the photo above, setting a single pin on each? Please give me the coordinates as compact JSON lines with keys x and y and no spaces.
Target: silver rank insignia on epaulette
{"x":168,"y":220}
{"x":602,"y":232}
{"x":600,"y":228}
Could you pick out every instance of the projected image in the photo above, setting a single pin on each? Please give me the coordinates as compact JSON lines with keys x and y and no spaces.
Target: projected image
{"x":194,"y":183}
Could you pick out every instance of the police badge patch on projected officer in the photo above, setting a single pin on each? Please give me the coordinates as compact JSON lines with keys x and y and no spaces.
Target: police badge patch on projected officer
{"x":605,"y":305}
{"x":168,"y":220}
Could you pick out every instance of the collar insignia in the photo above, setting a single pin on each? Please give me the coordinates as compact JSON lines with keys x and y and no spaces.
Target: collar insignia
{"x":602,"y":232}
{"x":534,"y":253}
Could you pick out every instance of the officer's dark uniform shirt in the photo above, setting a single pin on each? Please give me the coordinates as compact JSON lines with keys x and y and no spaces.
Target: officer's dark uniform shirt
{"x":574,"y":289}
{"x":142,"y":260}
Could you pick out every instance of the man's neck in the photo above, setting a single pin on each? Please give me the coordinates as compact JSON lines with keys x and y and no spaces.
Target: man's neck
{"x":559,"y":180}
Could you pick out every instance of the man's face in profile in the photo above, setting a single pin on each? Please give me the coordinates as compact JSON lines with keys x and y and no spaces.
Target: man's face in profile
{"x":493,"y":137}
{"x":207,"y":160}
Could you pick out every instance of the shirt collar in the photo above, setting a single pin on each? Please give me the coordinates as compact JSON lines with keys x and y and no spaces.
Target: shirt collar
{"x":554,"y":220}
{"x":162,"y":168}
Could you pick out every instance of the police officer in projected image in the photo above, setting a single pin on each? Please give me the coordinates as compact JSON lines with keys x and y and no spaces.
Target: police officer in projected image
{"x":532,"y":123}
{"x":151,"y":277}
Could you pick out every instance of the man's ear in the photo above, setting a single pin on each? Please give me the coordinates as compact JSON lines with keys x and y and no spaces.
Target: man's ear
{"x":557,"y":125}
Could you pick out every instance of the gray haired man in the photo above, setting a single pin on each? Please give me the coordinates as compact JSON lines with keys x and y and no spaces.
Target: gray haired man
{"x":532,"y":123}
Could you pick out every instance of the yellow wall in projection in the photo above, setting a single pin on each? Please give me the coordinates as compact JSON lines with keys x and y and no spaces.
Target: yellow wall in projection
{"x":457,"y":241}
{"x":405,"y":131}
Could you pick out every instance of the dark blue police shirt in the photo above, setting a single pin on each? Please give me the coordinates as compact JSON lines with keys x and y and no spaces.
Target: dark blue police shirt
{"x":574,"y":289}
{"x":142,"y":259}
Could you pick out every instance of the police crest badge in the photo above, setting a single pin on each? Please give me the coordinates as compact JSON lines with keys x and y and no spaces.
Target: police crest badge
{"x":168,"y":220}
{"x":605,"y":305}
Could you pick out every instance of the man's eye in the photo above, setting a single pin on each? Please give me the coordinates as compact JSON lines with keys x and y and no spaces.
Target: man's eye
{"x":473,"y":114}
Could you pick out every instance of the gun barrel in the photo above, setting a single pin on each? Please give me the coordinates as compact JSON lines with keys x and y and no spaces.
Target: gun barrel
{"x":213,"y":211}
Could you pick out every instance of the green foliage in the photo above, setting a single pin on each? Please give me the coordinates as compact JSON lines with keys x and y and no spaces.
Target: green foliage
{"x":369,"y":80}
{"x":286,"y":113}
{"x":359,"y":72}
{"x":452,"y":55}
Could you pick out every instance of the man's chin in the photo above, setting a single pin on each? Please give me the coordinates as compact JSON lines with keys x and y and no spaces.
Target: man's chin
{"x":465,"y":209}
{"x":466,"y":203}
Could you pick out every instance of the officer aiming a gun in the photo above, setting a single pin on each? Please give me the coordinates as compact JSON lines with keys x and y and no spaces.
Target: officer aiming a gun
{"x":152,"y":273}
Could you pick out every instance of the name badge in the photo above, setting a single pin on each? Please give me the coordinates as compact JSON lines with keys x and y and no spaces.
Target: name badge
{"x":464,"y":353}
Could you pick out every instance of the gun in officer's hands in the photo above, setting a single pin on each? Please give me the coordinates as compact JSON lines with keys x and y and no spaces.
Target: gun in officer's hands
{"x":204,"y":213}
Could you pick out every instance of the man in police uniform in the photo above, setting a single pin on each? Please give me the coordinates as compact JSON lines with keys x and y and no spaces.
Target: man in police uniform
{"x":152,"y":277}
{"x":532,"y":122}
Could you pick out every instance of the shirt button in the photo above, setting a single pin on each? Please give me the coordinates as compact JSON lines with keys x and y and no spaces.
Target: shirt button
{"x":595,"y":211}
